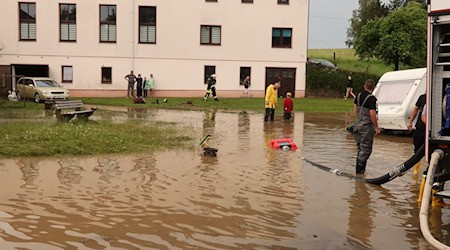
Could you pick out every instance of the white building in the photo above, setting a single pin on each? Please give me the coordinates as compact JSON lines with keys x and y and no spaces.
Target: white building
{"x":90,"y":45}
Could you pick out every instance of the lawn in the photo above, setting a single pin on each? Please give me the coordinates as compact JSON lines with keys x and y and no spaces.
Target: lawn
{"x":229,"y":104}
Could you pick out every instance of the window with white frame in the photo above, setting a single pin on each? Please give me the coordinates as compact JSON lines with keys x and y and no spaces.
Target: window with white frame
{"x":108,"y":23}
{"x":67,"y":22}
{"x":147,"y":24}
{"x":27,"y":25}
{"x":210,"y":35}
{"x":67,"y":74}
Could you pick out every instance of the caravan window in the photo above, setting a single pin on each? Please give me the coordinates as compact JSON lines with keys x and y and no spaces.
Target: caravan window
{"x":394,"y":92}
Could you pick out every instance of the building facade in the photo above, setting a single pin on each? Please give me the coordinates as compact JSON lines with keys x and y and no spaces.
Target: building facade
{"x":89,"y":46}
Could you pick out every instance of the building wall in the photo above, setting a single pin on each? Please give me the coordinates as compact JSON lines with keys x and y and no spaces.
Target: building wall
{"x":177,"y":59}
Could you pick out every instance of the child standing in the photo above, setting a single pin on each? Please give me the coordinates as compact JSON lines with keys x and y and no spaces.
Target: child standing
{"x":288,"y":106}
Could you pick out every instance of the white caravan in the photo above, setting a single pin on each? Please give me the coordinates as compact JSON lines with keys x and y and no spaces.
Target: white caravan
{"x":397,"y":93}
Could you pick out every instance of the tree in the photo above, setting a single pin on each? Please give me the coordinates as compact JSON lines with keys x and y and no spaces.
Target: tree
{"x":368,"y":10}
{"x":398,"y":38}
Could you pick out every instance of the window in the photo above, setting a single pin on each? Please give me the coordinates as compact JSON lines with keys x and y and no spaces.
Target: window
{"x":209,"y":70}
{"x":67,"y":74}
{"x":67,"y":22}
{"x":147,"y":24}
{"x":244,"y":72}
{"x":283,"y":1}
{"x":27,"y":21}
{"x":247,"y":1}
{"x":106,"y":75}
{"x":210,"y":35}
{"x":281,"y":37}
{"x":394,"y":92}
{"x":107,"y":23}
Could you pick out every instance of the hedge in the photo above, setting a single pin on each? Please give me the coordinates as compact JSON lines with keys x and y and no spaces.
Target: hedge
{"x":326,"y":82}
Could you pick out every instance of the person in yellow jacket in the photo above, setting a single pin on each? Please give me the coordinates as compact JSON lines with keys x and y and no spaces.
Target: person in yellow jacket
{"x":271,"y":100}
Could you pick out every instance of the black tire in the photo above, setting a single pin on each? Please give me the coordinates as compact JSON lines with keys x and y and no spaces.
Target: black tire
{"x":37,"y":98}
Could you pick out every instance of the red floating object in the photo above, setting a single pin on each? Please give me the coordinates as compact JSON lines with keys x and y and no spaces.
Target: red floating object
{"x":283,"y":143}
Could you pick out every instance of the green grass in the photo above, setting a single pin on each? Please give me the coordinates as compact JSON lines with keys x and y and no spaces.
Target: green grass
{"x":48,"y":138}
{"x":348,"y":61}
{"x":230,"y":104}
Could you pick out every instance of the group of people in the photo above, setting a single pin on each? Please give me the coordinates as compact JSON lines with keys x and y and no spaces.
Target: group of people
{"x":211,"y":88}
{"x":271,"y":97}
{"x":271,"y":102}
{"x":144,"y":87}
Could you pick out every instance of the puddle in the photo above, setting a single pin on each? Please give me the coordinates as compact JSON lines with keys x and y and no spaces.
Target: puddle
{"x":248,"y":197}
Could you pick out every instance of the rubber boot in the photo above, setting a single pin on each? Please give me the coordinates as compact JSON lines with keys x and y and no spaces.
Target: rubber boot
{"x":416,"y":168}
{"x":422,"y":187}
{"x":436,"y":201}
{"x":360,"y":167}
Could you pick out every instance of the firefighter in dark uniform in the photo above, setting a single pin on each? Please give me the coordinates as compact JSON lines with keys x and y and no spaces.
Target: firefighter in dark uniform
{"x":211,"y":89}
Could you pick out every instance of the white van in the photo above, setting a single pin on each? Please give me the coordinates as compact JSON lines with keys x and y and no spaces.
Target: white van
{"x":397,"y":93}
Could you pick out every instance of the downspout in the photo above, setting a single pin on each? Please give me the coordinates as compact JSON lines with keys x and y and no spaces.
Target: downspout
{"x":423,"y":215}
{"x":132,"y":35}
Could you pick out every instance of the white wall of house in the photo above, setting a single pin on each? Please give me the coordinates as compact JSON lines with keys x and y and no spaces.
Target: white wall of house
{"x":177,"y":59}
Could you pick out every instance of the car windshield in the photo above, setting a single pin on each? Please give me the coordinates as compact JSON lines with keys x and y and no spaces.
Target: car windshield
{"x":327,"y":63}
{"x":46,"y":83}
{"x":322,"y":62}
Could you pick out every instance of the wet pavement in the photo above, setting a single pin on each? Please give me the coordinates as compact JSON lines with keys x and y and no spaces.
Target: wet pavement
{"x":248,"y":197}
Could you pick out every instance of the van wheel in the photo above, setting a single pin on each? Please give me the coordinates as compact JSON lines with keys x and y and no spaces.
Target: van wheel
{"x":37,"y":98}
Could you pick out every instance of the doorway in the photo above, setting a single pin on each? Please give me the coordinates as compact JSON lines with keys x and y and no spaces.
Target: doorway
{"x":5,"y":81}
{"x":287,"y":79}
{"x":31,"y":70}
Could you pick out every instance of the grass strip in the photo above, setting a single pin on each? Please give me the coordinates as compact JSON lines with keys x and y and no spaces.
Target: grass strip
{"x":87,"y":138}
{"x":236,"y":104}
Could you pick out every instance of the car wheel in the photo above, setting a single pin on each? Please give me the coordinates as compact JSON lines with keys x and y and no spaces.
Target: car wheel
{"x":37,"y":98}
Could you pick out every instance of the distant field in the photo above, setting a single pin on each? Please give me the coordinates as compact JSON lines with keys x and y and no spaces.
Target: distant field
{"x":347,"y":60}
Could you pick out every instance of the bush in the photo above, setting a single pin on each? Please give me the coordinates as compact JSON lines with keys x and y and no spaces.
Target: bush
{"x":325,"y":82}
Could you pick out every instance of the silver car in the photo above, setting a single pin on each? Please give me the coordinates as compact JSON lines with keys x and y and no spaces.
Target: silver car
{"x":40,"y":89}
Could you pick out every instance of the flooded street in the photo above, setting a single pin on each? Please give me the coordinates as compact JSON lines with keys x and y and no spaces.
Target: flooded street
{"x":248,"y":197}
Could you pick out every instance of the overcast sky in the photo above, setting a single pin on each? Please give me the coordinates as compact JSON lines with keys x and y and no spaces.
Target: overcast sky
{"x":328,"y":23}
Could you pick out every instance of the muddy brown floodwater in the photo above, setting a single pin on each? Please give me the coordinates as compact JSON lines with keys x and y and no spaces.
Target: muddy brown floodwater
{"x":248,"y":197}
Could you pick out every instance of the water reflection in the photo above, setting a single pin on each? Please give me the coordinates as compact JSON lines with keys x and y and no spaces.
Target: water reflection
{"x":269,"y":135}
{"x":360,"y":224}
{"x":30,"y":171}
{"x":243,"y":130}
{"x":248,"y":197}
{"x":70,"y":172}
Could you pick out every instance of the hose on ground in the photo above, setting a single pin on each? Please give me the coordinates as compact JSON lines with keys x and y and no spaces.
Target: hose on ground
{"x":399,"y":170}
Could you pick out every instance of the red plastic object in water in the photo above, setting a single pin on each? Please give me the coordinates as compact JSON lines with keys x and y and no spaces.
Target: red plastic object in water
{"x":280,"y":143}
